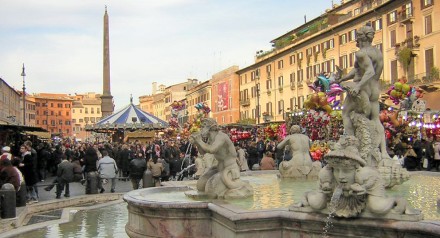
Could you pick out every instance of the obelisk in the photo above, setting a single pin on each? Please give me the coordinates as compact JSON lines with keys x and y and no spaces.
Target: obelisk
{"x":107,"y":105}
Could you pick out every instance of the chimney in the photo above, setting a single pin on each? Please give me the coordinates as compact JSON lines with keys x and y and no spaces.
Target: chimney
{"x":154,"y":88}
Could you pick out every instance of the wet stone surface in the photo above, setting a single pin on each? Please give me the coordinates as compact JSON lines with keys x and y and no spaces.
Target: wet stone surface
{"x":43,"y":217}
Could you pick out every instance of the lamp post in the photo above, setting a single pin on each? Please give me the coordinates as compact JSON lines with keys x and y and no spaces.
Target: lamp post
{"x":23,"y":74}
{"x":257,"y":89}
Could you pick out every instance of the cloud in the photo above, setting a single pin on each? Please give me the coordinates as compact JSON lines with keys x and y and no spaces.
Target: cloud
{"x":166,"y":41}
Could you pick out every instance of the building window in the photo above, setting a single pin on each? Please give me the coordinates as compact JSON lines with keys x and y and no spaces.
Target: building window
{"x":428,"y":25}
{"x":292,"y":59}
{"x":280,"y":82}
{"x":268,"y":84}
{"x":377,"y":25}
{"x":331,"y":43}
{"x":343,"y":39}
{"x":268,"y":69}
{"x":429,"y":60}
{"x":300,"y":77}
{"x":86,"y":111}
{"x":98,"y":110}
{"x":427,"y":3}
{"x":293,"y":103}
{"x":301,"y":102}
{"x":73,"y":110}
{"x":309,"y":71}
{"x":280,"y":64}
{"x":357,"y":11}
{"x":343,"y":62}
{"x":269,"y":108}
{"x":299,"y":56}
{"x":317,"y":48}
{"x":352,"y":58}
{"x":280,"y":106}
{"x":393,"y":69}
{"x":393,"y":38}
{"x":309,"y":51}
{"x":392,"y":17}
{"x":352,"y":35}
{"x":73,"y":121}
{"x":292,"y":79}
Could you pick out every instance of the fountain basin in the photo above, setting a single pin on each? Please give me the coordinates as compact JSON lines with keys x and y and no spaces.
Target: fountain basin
{"x":167,"y":212}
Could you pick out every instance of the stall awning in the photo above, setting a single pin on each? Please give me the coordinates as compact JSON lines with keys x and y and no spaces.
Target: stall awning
{"x":40,"y":134}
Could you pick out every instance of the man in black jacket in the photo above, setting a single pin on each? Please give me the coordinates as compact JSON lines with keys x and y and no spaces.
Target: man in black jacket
{"x":65,"y":175}
{"x":136,"y":170}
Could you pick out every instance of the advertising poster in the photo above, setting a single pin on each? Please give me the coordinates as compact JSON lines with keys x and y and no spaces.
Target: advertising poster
{"x":223,"y":96}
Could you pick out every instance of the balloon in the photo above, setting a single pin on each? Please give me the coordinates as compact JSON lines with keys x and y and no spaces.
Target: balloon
{"x":405,"y":88}
{"x":398,"y":86}
{"x":315,"y":98}
{"x":393,"y":93}
{"x":327,"y":108}
{"x":323,"y":101}
{"x":321,"y":94}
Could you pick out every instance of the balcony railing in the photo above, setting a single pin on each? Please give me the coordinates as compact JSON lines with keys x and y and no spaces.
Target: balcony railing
{"x":406,"y":14}
{"x":245,"y":102}
{"x":417,"y":80}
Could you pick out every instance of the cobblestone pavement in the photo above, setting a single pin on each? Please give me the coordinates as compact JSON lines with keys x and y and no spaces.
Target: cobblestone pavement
{"x":77,"y":189}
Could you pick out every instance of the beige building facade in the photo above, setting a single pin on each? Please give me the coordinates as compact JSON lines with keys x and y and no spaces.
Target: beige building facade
{"x":10,"y":105}
{"x":86,"y":110}
{"x":199,"y":94}
{"x":278,"y":80}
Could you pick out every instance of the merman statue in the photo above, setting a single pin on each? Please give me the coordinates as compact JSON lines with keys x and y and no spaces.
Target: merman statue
{"x":349,"y":188}
{"x":223,"y":180}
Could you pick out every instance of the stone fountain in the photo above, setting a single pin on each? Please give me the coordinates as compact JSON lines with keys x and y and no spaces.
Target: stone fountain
{"x":351,"y":185}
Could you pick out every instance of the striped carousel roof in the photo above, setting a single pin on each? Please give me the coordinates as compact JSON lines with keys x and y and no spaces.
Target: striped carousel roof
{"x":130,"y":117}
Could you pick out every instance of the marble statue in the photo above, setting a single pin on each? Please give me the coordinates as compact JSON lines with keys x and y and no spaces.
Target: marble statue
{"x":358,"y":169}
{"x":349,"y":188}
{"x":301,"y":164}
{"x":364,"y":93}
{"x":223,"y":180}
{"x":360,"y":114}
{"x":203,"y":163}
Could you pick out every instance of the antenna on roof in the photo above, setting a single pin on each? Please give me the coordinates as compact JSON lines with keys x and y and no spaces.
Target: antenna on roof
{"x":131,"y":98}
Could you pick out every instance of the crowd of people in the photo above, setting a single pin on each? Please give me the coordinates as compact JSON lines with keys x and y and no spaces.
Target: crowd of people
{"x":166,"y":159}
{"x":72,"y":162}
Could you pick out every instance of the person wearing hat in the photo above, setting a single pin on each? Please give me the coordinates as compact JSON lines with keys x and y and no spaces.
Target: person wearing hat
{"x":6,"y":155}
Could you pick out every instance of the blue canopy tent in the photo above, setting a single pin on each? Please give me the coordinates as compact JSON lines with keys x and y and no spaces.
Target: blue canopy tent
{"x":128,"y":118}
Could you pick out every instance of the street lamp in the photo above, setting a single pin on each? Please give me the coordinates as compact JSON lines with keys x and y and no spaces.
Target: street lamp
{"x":257,"y":89}
{"x":23,"y":74}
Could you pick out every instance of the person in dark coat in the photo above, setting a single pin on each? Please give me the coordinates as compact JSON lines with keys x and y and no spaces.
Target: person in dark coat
{"x":29,"y":173}
{"x":90,"y":160}
{"x":43,"y":157}
{"x":65,"y":175}
{"x":252,"y":154}
{"x":125,"y":157}
{"x":136,"y":169}
{"x":8,"y":174}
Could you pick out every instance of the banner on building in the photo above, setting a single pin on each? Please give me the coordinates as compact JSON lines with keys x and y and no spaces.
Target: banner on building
{"x":223,"y":96}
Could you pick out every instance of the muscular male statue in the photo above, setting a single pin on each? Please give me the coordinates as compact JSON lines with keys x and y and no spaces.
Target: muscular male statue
{"x":363,"y":95}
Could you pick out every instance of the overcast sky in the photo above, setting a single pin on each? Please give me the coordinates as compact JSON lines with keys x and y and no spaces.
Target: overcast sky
{"x":167,"y":41}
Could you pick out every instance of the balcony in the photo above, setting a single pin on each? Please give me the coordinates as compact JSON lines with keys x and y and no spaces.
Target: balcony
{"x":245,"y":102}
{"x":426,"y":81}
{"x":406,"y":15}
